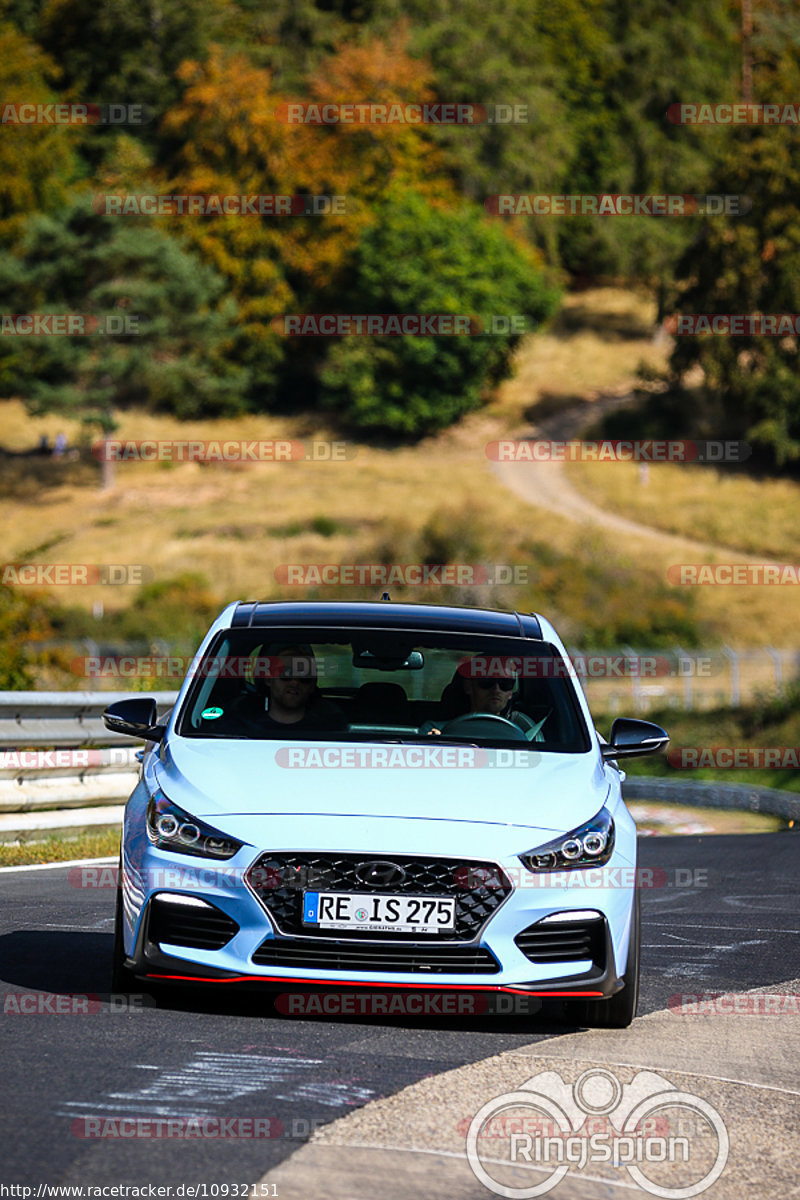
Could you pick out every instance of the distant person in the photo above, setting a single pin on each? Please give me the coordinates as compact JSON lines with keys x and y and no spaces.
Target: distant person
{"x":44,"y":445}
{"x":60,"y":446}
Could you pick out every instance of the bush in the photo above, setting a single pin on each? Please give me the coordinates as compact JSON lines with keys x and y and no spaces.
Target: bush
{"x":419,"y":259}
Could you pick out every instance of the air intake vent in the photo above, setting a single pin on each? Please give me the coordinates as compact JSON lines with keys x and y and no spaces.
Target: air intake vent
{"x":312,"y":954}
{"x":564,"y":942}
{"x":201,"y":927}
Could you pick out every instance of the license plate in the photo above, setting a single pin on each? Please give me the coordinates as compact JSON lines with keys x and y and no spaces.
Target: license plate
{"x":379,"y":914}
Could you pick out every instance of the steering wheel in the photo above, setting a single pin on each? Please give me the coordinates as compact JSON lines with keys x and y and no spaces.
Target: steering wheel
{"x":475,"y":723}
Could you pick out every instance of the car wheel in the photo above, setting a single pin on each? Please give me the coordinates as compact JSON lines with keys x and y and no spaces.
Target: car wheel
{"x":122,"y":978}
{"x":619,"y":1010}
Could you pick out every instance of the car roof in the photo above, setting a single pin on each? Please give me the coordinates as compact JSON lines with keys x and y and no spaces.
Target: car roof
{"x":385,"y":615}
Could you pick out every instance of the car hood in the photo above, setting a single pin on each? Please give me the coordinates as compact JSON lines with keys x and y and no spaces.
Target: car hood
{"x":215,"y":779}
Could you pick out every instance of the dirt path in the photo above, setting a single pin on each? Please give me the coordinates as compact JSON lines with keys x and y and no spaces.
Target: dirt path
{"x":547,"y":485}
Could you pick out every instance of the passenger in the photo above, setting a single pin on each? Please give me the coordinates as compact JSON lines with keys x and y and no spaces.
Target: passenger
{"x":293,"y":697}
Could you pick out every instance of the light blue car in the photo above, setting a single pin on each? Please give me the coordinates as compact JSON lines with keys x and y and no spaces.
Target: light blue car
{"x":363,"y":795}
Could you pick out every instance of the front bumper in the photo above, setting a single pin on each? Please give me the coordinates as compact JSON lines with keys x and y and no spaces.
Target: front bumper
{"x":152,"y":957}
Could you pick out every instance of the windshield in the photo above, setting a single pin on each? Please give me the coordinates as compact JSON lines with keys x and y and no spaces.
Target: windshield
{"x":383,"y":685}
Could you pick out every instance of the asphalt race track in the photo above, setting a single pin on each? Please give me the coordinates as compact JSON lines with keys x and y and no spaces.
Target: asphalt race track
{"x":721,"y":917}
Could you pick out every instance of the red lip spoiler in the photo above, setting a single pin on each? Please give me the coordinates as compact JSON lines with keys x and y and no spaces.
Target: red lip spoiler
{"x":409,"y":987}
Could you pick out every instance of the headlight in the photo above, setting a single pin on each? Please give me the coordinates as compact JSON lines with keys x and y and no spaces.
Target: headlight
{"x":170,"y":828}
{"x":590,"y":845}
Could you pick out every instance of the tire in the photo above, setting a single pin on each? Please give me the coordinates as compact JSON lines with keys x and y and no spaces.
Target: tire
{"x":619,"y":1010}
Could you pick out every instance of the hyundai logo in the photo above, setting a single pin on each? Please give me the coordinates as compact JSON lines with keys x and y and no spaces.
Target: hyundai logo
{"x":380,"y":874}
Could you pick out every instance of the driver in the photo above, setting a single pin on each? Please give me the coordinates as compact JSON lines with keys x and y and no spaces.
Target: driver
{"x":485,"y":684}
{"x":489,"y":693}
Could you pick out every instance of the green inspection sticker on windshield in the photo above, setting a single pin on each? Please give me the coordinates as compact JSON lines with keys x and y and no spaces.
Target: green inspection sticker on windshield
{"x":211,"y":714}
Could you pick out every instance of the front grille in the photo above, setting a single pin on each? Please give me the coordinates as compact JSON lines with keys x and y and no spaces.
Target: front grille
{"x":564,"y":941}
{"x":185,"y":925}
{"x":279,"y":880}
{"x":313,"y":955}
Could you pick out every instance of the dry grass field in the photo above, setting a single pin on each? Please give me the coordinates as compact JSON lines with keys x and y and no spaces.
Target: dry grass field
{"x":237,"y":524}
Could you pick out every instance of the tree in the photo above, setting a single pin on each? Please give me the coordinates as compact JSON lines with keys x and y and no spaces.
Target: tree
{"x":227,"y":137}
{"x":24,"y":622}
{"x":418,"y":258}
{"x":751,"y":265}
{"x":37,"y":162}
{"x":110,"y":51}
{"x":171,"y":355}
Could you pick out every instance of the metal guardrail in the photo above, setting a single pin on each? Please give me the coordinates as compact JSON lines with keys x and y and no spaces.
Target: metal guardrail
{"x":45,"y":760}
{"x":63,"y":718}
{"x":47,"y":765}
{"x":707,"y":793}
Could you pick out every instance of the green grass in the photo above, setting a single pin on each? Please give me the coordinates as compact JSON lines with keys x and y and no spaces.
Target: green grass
{"x":60,"y":849}
{"x":773,"y":723}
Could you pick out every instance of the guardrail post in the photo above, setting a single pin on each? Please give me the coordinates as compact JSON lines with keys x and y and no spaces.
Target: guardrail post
{"x":777,"y":662}
{"x":688,"y":690}
{"x":733,"y":659}
{"x":636,"y":683}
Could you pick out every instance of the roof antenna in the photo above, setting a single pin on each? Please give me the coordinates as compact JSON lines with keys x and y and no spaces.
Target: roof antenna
{"x":386,"y":596}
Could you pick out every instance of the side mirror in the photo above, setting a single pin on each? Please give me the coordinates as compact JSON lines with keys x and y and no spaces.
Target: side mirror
{"x":630,"y":737}
{"x":137,"y":717}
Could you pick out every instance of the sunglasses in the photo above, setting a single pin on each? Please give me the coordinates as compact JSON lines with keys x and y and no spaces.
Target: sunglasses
{"x":505,"y":685}
{"x":298,"y":678}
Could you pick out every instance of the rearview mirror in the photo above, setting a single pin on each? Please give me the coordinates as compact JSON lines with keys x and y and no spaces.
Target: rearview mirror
{"x":630,"y":737}
{"x":136,"y":717}
{"x":383,"y":662}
